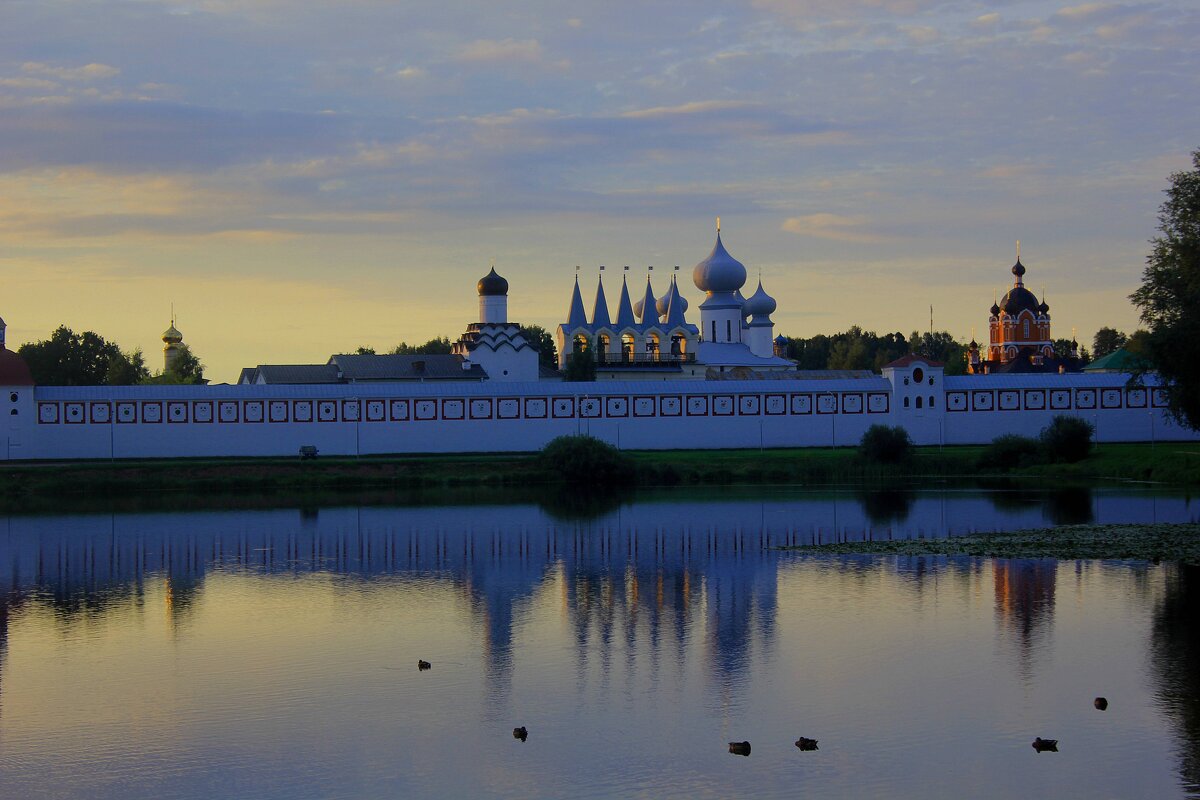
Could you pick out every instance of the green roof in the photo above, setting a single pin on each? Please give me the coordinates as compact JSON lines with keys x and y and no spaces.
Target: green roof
{"x":1119,"y":360}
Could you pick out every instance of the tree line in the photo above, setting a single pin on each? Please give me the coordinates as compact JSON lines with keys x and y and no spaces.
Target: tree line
{"x":88,"y":359}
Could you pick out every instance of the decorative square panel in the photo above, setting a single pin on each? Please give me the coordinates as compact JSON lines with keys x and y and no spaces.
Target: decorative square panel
{"x":454,"y":409}
{"x":327,"y":411}
{"x":827,"y":403}
{"x":877,"y":403}
{"x":982,"y":401}
{"x":589,"y":407}
{"x":1008,"y":400}
{"x":801,"y":404}
{"x":670,"y":405}
{"x":1135,"y":398}
{"x":74,"y":413}
{"x":697,"y":406}
{"x":152,"y":413}
{"x":616,"y":407}
{"x":535,"y":407}
{"x":177,"y":411}
{"x":302,"y":410}
{"x":101,"y":413}
{"x":852,"y":404}
{"x":561,"y":408}
{"x":643,"y":406}
{"x":481,"y":408}
{"x":424,"y":410}
{"x":1085,"y":398}
{"x":399,"y":410}
{"x":252,"y":411}
{"x":749,"y":405}
{"x":956,"y":401}
{"x":228,"y":411}
{"x":351,"y":411}
{"x":202,"y":411}
{"x":1159,"y":398}
{"x":1035,"y":399}
{"x":376,"y":410}
{"x":508,"y":408}
{"x":1110,"y":398}
{"x":775,"y":404}
{"x":277,"y":411}
{"x":1060,"y":399}
{"x":722,"y":405}
{"x":48,"y":413}
{"x":126,"y":413}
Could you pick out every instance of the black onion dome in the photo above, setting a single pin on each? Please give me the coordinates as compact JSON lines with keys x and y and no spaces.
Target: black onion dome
{"x":1018,"y":269}
{"x":1017,"y":300}
{"x":974,"y":345}
{"x":1044,"y":307}
{"x":492,"y":285}
{"x":995,"y":309}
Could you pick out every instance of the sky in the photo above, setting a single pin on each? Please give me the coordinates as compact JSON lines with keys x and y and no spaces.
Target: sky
{"x":299,"y":178}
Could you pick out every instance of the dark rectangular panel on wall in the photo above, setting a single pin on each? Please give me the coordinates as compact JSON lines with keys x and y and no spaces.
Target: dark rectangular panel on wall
{"x":508,"y":408}
{"x":616,"y":407}
{"x":202,"y":412}
{"x":229,"y":411}
{"x":126,"y":413}
{"x":1110,"y":398}
{"x":983,"y":401}
{"x":956,"y":401}
{"x":152,"y":413}
{"x":177,"y":411}
{"x":1135,"y":398}
{"x":424,"y":410}
{"x":1035,"y":399}
{"x":775,"y":404}
{"x":399,"y":410}
{"x":801,"y":404}
{"x":327,"y":411}
{"x":481,"y":408}
{"x":644,"y":406}
{"x":536,"y":407}
{"x":670,"y":405}
{"x":47,"y":413}
{"x":878,"y":403}
{"x":564,"y":407}
{"x":302,"y":410}
{"x":277,"y":411}
{"x":722,"y":405}
{"x":749,"y":405}
{"x":1008,"y":400}
{"x":74,"y":413}
{"x":1085,"y":398}
{"x":100,"y":413}
{"x":852,"y":404}
{"x":1060,"y":399}
{"x":376,"y":410}
{"x":697,"y":405}
{"x":252,"y":411}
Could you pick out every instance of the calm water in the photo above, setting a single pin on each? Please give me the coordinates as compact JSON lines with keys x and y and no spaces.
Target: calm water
{"x":272,"y":654}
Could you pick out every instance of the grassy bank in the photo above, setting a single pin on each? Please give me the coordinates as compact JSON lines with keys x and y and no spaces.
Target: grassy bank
{"x":1167,"y":463}
{"x":1149,"y":542}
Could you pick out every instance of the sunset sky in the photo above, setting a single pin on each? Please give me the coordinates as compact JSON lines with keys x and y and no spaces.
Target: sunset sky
{"x":300,"y":178}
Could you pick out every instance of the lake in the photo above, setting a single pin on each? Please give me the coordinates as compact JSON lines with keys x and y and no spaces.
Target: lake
{"x":272,"y":652}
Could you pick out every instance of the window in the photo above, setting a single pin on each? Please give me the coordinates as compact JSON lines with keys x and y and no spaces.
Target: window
{"x":918,"y":375}
{"x":728,"y":331}
{"x":931,"y":401}
{"x":12,"y":413}
{"x":918,"y":402}
{"x":906,"y":402}
{"x":714,"y":330}
{"x":13,"y":397}
{"x":906,"y":381}
{"x":1026,"y":329}
{"x":931,"y":380}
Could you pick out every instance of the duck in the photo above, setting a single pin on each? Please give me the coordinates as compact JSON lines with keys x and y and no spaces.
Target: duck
{"x":804,"y":743}
{"x":423,"y":665}
{"x":1041,"y":745}
{"x":739,"y":748}
{"x":1101,"y":703}
{"x":521,"y":733}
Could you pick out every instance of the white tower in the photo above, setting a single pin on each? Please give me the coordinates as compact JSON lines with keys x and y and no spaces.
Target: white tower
{"x":720,"y":276}
{"x":493,"y":299}
{"x":172,"y":345}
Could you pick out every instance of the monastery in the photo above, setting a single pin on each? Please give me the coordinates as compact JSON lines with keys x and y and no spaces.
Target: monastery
{"x":662,"y":383}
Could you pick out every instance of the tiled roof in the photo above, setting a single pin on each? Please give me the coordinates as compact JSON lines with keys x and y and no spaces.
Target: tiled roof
{"x":904,"y":361}
{"x":296,"y":373}
{"x":405,"y":368}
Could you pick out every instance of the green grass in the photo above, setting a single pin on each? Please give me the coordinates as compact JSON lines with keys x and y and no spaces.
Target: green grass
{"x":1142,"y":542}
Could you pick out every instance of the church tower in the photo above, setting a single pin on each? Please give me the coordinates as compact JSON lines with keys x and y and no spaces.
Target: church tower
{"x":172,"y":345}
{"x":720,"y":277}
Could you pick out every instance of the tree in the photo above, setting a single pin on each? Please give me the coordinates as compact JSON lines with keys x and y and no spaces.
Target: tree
{"x":580,"y":367}
{"x":439,"y":345}
{"x":540,"y":338}
{"x":365,"y":351}
{"x":127,"y":369}
{"x":1107,"y":340}
{"x":1064,"y":347}
{"x":941,"y":346}
{"x":185,"y":369}
{"x":1169,"y":297}
{"x":70,"y":359}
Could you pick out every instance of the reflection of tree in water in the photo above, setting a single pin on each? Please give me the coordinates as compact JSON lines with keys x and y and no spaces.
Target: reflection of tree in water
{"x":1175,"y":652}
{"x":1025,"y":602}
{"x":575,"y":504}
{"x":885,"y":506}
{"x":1071,"y":505}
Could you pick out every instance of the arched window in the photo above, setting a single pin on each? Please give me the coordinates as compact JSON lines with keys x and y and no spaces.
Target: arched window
{"x":714,"y":330}
{"x":931,"y":401}
{"x":906,"y":402}
{"x":918,"y":402}
{"x":1026,"y":329}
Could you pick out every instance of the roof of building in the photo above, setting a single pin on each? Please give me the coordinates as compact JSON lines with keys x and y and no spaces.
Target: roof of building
{"x":1018,"y":299}
{"x":248,"y":375}
{"x":749,"y":373}
{"x":295,"y":373}
{"x":369,"y":367}
{"x":1119,"y":360}
{"x":492,"y":285}
{"x":904,"y":361}
{"x":645,"y":308}
{"x":13,"y":370}
{"x":600,"y":317}
{"x":625,"y":317}
{"x":734,"y":354}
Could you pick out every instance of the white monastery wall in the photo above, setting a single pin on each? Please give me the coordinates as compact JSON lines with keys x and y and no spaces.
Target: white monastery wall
{"x":175,"y":421}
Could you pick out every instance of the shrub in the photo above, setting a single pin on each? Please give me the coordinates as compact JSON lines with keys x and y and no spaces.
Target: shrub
{"x":1067,"y":439}
{"x":1011,"y":450}
{"x":585,"y":461}
{"x":885,"y":445}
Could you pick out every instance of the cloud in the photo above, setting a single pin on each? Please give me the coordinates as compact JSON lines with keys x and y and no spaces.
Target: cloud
{"x":831,"y":226}
{"x":88,"y":72}
{"x":409,"y":73}
{"x":696,"y":107}
{"x":28,"y":83}
{"x":502,"y":50}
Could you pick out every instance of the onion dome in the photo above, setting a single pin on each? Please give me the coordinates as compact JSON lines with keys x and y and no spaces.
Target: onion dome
{"x":664,"y":302}
{"x":720,"y":273}
{"x":13,"y":370}
{"x":1018,"y":299}
{"x":1043,"y":307}
{"x":781,"y":339}
{"x":1018,"y":269}
{"x":492,"y":285}
{"x":974,"y":345}
{"x":171,"y":335}
{"x":760,"y":303}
